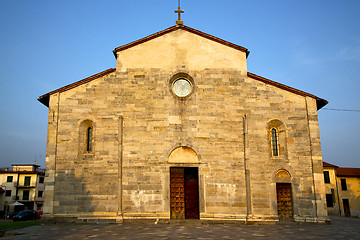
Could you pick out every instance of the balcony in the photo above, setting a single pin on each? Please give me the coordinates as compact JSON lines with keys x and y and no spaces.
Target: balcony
{"x":26,"y":186}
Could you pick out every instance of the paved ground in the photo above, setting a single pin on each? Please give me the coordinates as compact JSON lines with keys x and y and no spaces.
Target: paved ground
{"x":341,"y":228}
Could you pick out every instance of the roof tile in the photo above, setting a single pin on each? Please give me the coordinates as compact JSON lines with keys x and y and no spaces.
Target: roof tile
{"x":44,"y":99}
{"x":348,"y":172}
{"x":320,"y":102}
{"x":325,"y":164}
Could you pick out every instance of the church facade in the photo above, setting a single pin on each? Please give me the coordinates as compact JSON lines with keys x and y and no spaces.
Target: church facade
{"x":181,"y":130}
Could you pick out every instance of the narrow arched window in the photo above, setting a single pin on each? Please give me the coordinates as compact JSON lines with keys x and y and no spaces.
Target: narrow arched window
{"x":276,"y":138}
{"x":274,"y":142}
{"x":87,"y":132}
{"x":89,"y":139}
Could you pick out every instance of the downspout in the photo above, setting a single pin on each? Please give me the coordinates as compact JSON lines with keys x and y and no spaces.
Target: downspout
{"x":17,"y":188}
{"x":120,"y":170}
{"x":337,"y":192}
{"x":247,"y":174}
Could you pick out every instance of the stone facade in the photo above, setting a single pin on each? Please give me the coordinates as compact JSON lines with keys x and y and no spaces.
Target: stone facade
{"x":141,"y":129}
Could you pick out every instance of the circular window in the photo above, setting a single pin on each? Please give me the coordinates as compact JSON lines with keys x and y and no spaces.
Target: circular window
{"x":182,"y":87}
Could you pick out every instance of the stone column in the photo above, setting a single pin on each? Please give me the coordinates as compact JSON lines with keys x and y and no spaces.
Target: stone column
{"x":51,"y":152}
{"x":316,"y":158}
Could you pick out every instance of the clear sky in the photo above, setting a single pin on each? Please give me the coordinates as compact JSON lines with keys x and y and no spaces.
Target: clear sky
{"x":310,"y":45}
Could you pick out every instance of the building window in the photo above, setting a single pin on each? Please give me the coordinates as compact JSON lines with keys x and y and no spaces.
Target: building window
{"x":86,"y":137}
{"x":26,"y":195}
{"x":277,"y":144}
{"x":343,"y":184}
{"x":9,"y":178}
{"x":27,"y":181}
{"x":274,"y":142}
{"x":326,"y":177}
{"x":41,"y":180}
{"x":40,"y":193}
{"x":182,"y":85}
{"x":329,"y":200}
{"x":89,"y":139}
{"x":8,"y":193}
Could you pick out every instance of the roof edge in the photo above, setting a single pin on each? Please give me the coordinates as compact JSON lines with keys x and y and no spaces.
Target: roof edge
{"x":348,"y":172}
{"x":23,"y":172}
{"x":183,"y":27}
{"x":44,"y":99}
{"x":326,"y":164}
{"x":319,"y":101}
{"x":25,"y":164}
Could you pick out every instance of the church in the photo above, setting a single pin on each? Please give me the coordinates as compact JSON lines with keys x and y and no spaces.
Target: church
{"x":181,"y":130}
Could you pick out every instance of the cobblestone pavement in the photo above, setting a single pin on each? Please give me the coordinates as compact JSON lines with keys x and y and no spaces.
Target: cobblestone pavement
{"x":341,"y":228}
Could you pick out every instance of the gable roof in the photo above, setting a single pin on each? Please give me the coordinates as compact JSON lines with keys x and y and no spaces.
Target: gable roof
{"x":44,"y":99}
{"x":325,"y":164}
{"x":183,"y":27}
{"x":348,"y":172}
{"x":319,"y":101}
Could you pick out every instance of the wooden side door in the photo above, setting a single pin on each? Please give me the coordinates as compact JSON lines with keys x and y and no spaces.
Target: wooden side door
{"x":284,"y":201}
{"x":191,"y":193}
{"x":177,"y":193}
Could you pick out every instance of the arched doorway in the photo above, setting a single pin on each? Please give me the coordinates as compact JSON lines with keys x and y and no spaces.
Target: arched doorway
{"x":184,"y":185}
{"x":284,"y":195}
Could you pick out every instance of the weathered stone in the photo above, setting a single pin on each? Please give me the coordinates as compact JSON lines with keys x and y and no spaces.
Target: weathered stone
{"x":141,"y":129}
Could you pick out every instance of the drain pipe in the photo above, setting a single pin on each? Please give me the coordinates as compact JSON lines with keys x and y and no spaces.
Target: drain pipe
{"x":247,"y":172}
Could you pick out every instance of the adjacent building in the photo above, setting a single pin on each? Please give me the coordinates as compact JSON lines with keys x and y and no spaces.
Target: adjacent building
{"x":23,"y":184}
{"x":342,"y":190}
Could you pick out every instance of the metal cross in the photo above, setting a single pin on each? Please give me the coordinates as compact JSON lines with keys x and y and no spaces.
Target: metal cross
{"x":179,"y":11}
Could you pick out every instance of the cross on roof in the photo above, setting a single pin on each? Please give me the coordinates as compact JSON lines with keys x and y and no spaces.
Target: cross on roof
{"x":179,"y":12}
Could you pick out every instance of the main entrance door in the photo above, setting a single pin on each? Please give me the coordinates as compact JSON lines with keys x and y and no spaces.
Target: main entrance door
{"x":284,"y":201}
{"x":184,"y":193}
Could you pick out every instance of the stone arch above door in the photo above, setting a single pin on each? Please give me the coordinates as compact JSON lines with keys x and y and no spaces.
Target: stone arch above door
{"x":183,"y":155}
{"x":282,"y":176}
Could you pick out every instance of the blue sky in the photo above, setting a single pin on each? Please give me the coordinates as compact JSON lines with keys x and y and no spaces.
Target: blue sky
{"x":312,"y":45}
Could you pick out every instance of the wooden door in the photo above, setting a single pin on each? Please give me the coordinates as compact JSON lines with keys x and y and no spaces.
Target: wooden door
{"x":346,"y":207}
{"x":191,"y":193}
{"x":177,"y":193}
{"x":284,"y":201}
{"x":184,"y":193}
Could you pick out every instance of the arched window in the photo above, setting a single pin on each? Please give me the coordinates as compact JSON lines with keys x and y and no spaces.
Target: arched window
{"x":89,"y":139}
{"x":86,"y":137}
{"x":274,"y":142}
{"x":277,"y":139}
